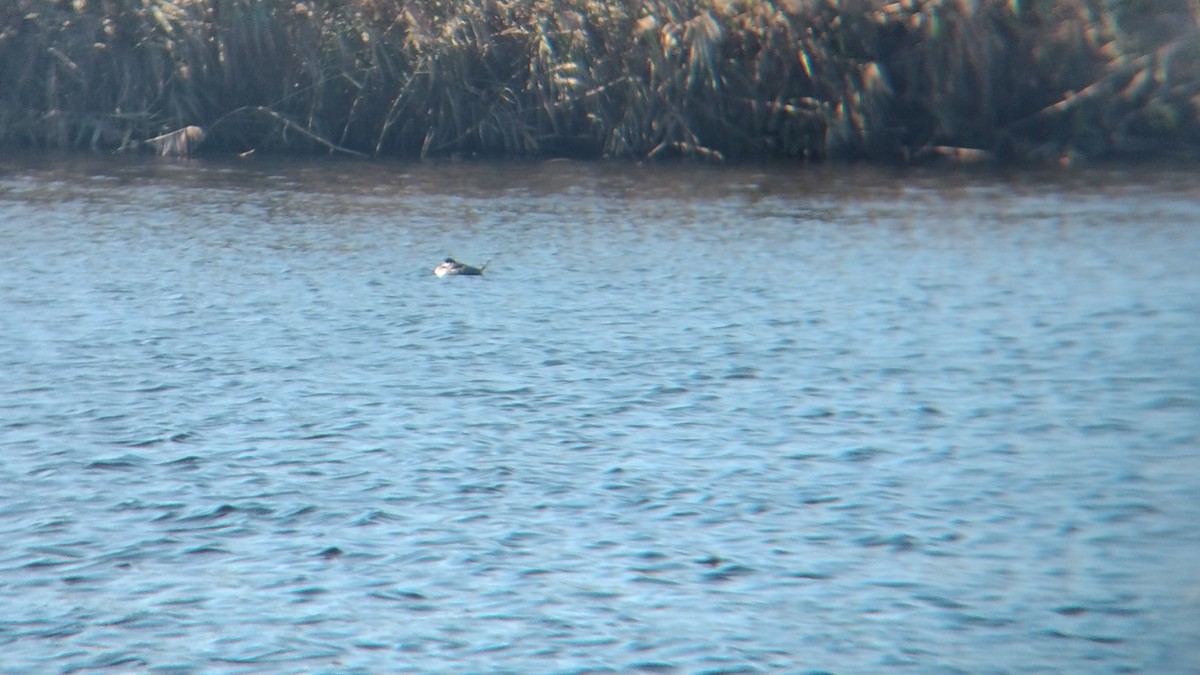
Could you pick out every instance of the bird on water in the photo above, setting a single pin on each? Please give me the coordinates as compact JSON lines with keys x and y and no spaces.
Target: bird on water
{"x":450,"y":267}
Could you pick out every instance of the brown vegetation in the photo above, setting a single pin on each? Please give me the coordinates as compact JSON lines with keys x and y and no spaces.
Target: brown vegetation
{"x":959,"y":79}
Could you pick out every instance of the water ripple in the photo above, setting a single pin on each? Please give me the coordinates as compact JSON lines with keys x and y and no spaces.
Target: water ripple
{"x":700,"y":421}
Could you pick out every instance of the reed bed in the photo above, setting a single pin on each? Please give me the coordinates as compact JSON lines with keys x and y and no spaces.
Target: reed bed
{"x":714,"y":79}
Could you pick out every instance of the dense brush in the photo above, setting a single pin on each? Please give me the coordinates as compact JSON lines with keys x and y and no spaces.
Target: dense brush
{"x":661,"y":78}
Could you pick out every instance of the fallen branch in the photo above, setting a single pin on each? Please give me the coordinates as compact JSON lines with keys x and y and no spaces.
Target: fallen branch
{"x":333,"y":147}
{"x":289,"y":124}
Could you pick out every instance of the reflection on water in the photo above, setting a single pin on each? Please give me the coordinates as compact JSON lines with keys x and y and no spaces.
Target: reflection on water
{"x":692,"y":419}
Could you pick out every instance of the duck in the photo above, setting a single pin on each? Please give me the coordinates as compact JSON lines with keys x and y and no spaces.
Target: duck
{"x":450,"y":267}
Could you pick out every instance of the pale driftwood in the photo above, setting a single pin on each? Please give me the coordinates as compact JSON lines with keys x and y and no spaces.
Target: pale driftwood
{"x":178,"y":143}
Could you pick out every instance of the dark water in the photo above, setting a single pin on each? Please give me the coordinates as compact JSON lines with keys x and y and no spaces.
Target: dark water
{"x":692,"y":420}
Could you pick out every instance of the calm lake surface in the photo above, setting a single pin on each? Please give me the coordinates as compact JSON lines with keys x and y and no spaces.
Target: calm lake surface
{"x":692,"y":420}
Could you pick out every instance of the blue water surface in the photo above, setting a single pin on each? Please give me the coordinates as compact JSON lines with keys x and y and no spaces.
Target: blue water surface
{"x":691,"y":420}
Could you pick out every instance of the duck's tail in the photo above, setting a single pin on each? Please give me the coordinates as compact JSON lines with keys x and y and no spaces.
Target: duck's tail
{"x":484,"y":265}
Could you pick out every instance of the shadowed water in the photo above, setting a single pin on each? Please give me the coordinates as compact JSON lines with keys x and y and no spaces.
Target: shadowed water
{"x":691,"y":420}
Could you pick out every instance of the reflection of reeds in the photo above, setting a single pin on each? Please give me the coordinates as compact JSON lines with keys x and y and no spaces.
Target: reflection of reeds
{"x":696,"y":78}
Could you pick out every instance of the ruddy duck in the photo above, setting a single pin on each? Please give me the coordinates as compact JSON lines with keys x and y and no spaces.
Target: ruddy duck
{"x":450,"y":266}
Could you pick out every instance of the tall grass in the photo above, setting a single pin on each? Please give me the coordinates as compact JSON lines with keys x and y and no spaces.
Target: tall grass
{"x":660,"y":78}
